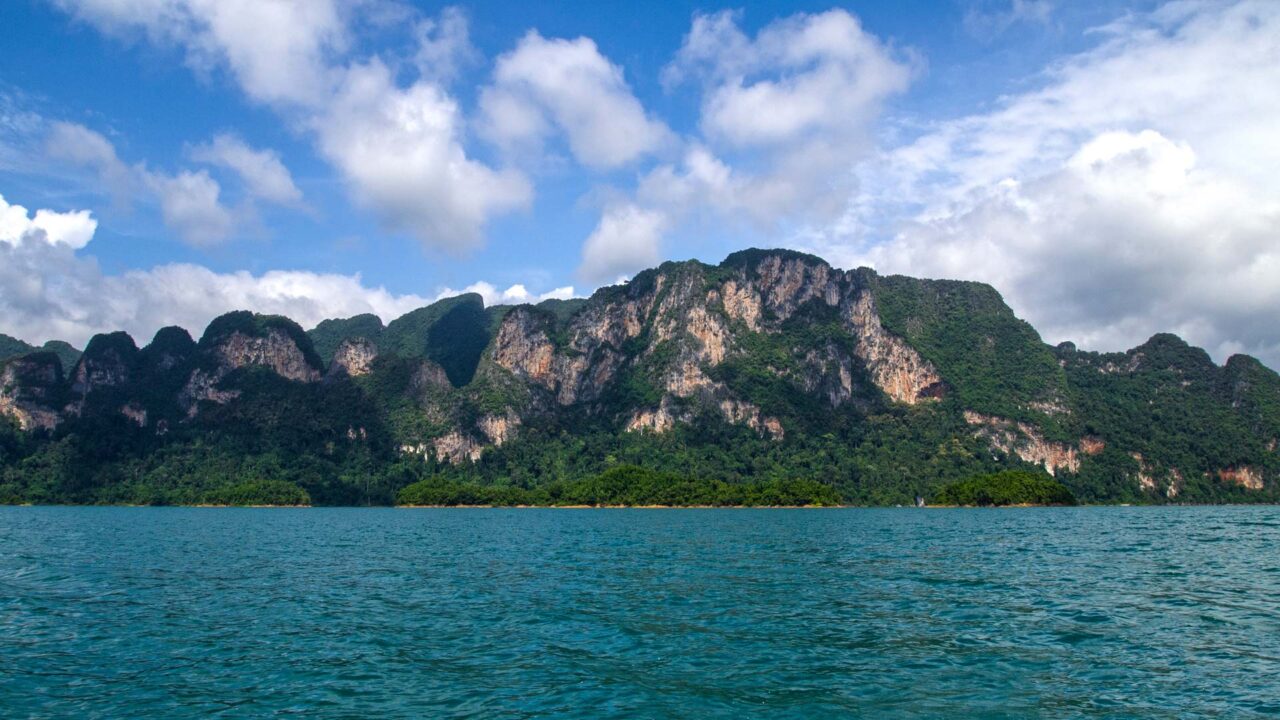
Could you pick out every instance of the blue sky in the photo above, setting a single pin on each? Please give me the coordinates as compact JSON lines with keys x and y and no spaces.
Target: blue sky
{"x":1106,"y":165}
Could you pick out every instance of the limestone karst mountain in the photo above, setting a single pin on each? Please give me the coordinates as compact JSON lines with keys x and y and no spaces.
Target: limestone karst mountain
{"x":772,"y":364}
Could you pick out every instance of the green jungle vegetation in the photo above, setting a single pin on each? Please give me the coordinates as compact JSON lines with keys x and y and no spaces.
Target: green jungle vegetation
{"x":625,"y":485}
{"x":1009,"y":487}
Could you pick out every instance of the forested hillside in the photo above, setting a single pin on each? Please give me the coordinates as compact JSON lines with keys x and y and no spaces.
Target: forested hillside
{"x":770,"y":375}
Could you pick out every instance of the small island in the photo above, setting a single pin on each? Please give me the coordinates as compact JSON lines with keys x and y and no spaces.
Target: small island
{"x":1007,"y":488}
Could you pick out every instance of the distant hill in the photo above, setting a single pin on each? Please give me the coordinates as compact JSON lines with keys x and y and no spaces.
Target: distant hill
{"x":12,"y":347}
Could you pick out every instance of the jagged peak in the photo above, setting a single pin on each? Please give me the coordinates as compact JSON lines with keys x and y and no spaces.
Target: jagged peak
{"x":171,"y":338}
{"x":119,"y":342}
{"x":1168,"y":350}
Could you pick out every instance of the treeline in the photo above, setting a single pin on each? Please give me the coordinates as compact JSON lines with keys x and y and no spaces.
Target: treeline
{"x":626,"y":485}
{"x":1011,"y":487}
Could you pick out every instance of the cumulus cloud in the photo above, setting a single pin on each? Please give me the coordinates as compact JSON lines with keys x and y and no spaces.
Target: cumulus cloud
{"x":398,"y":146}
{"x":1128,"y":238}
{"x":189,"y":202}
{"x":1134,"y":192}
{"x":81,"y":146}
{"x":399,"y":150}
{"x":516,"y":294}
{"x":263,"y":173}
{"x":570,"y":85}
{"x":190,"y":206}
{"x":72,"y":229}
{"x":627,"y":239}
{"x":801,"y":76}
{"x":444,"y":45}
{"x":785,"y":115}
{"x":277,"y":51}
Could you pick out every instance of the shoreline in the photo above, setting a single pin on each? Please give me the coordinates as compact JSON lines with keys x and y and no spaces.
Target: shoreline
{"x":644,"y":507}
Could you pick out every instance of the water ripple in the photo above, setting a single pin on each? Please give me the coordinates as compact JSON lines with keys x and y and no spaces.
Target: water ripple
{"x":1086,"y":612}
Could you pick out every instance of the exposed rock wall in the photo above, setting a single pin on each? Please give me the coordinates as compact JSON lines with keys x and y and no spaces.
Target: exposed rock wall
{"x":92,"y":372}
{"x":656,"y":420}
{"x":354,"y":357}
{"x":1249,"y":478}
{"x":895,"y":367}
{"x":454,"y":447}
{"x":275,"y":350}
{"x":1024,"y":441}
{"x":204,"y":386}
{"x":499,"y":428}
{"x":28,"y":386}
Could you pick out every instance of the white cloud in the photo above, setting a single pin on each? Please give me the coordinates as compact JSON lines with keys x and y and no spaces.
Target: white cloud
{"x":800,"y":76}
{"x":48,"y":291}
{"x":81,"y":146}
{"x":1135,"y":192}
{"x":571,"y":85}
{"x":514,"y":295}
{"x":399,"y":149}
{"x":277,"y":50}
{"x":785,"y":116}
{"x":263,"y":173}
{"x":72,"y":229}
{"x":986,"y":24}
{"x":627,"y":239}
{"x":1128,"y":238}
{"x":189,"y":202}
{"x":190,"y":206}
{"x":1190,"y":70}
{"x":444,"y":45}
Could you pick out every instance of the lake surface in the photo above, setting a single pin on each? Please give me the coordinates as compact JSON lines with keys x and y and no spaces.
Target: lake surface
{"x":1085,"y":612}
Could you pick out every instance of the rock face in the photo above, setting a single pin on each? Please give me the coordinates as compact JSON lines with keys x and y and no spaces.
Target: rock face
{"x":1246,"y":477}
{"x":456,"y":447}
{"x":276,"y":350}
{"x":1026,"y":442}
{"x":106,"y":362}
{"x":499,"y":428}
{"x":354,"y":357}
{"x":29,"y":388}
{"x":204,"y":386}
{"x":896,"y":369}
{"x":677,"y":325}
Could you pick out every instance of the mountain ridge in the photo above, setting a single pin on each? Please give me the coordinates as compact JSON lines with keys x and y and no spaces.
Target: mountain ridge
{"x":771,"y":364}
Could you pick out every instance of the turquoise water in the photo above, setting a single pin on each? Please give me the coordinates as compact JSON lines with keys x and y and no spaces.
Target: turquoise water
{"x":1089,"y":612}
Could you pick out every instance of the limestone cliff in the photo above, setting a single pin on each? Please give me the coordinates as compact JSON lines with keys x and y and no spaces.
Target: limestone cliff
{"x":1026,"y":442}
{"x":354,"y":357}
{"x":677,"y":324}
{"x":106,"y":362}
{"x":275,"y":350}
{"x":30,"y":389}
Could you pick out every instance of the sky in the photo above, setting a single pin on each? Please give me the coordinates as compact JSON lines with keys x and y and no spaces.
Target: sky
{"x":1109,"y":167}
